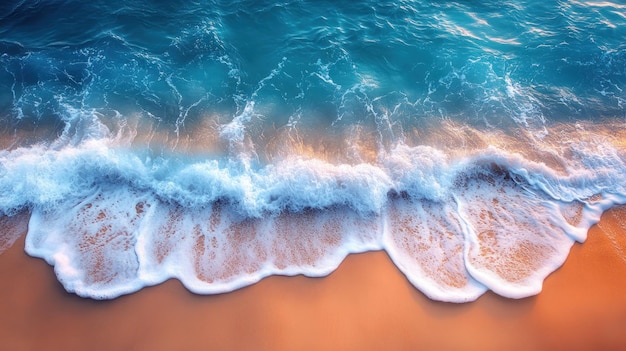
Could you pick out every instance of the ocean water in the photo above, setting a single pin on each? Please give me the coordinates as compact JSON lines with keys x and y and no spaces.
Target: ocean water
{"x":219,"y":142}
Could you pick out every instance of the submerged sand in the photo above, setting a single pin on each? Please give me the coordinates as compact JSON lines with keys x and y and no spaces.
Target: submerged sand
{"x":367,"y":304}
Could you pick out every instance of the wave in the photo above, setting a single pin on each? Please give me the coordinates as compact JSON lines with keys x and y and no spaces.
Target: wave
{"x":112,"y":219}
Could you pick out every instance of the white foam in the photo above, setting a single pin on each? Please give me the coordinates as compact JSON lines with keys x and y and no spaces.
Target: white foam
{"x":422,"y":171}
{"x":111,"y":222}
{"x":425,"y":240}
{"x":514,"y":238}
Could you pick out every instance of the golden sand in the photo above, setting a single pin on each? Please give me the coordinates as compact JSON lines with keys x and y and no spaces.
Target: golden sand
{"x":366,"y":304}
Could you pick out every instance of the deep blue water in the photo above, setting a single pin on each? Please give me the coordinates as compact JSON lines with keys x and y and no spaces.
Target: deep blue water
{"x":347,"y":112}
{"x":487,"y":64}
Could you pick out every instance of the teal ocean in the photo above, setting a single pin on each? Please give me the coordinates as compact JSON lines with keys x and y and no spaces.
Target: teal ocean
{"x":219,"y":142}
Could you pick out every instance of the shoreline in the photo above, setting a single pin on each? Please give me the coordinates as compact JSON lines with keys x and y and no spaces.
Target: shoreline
{"x":366,"y":304}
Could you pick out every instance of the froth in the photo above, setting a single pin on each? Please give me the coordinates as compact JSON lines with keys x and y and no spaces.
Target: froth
{"x":456,"y":224}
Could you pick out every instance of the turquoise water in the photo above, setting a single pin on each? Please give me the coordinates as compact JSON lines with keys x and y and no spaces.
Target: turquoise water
{"x":221,"y":142}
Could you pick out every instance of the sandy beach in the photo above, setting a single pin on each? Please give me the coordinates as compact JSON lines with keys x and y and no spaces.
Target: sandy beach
{"x":366,"y":304}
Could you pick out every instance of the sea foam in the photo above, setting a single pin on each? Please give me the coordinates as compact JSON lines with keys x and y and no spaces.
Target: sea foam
{"x":112,"y":220}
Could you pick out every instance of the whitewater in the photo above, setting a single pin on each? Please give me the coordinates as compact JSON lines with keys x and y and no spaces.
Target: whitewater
{"x":220,"y":142}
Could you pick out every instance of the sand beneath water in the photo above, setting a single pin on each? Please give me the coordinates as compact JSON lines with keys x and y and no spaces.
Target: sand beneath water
{"x":366,"y":304}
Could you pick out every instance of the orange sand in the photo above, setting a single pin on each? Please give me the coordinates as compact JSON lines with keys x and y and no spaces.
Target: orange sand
{"x":365,"y":305}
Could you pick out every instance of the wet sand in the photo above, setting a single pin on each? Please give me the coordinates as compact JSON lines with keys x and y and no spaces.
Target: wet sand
{"x":366,"y":304}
